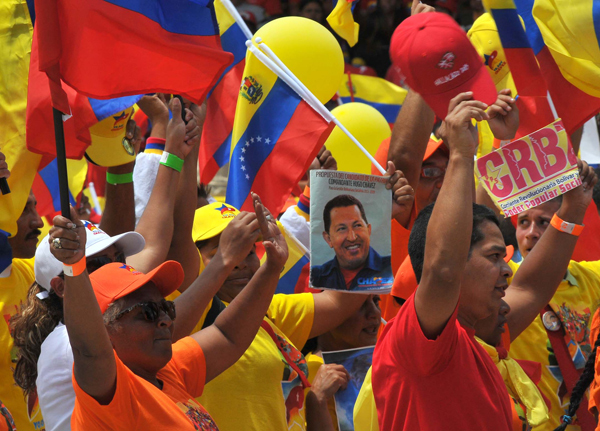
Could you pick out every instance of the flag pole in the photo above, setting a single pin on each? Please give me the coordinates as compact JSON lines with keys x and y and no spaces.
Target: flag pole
{"x":237,"y":17}
{"x":61,"y":163}
{"x":311,"y":98}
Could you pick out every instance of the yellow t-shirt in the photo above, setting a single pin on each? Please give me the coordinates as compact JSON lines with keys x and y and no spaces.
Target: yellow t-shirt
{"x":314,"y":363}
{"x":574,"y":303}
{"x":13,"y":293}
{"x":255,"y":393}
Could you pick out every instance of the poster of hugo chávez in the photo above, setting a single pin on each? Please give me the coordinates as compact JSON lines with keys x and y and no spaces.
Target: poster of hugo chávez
{"x":350,"y":225}
{"x":357,"y":363}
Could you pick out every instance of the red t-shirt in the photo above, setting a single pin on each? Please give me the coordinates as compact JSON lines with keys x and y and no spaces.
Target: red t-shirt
{"x":449,"y":383}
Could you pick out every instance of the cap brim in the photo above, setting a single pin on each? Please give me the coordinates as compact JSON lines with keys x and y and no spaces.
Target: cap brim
{"x":129,"y":242}
{"x":480,"y":84}
{"x":167,"y":277}
{"x":432,"y":146}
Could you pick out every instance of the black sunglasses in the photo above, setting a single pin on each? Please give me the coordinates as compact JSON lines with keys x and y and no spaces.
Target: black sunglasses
{"x":96,"y":262}
{"x":151,"y":310}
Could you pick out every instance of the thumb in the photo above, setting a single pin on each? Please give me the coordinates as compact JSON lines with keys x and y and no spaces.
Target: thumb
{"x":75,"y":217}
{"x":175,"y":107}
{"x":390,"y":169}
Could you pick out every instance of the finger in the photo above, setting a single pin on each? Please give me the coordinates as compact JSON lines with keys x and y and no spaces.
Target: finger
{"x":501,"y":104}
{"x":390,"y":169}
{"x":321,"y":152}
{"x":66,"y":244}
{"x":473,"y":104}
{"x":394,"y":179}
{"x":175,"y":107}
{"x":67,"y":234}
{"x":458,"y":99}
{"x":190,"y":121}
{"x":60,"y":221}
{"x":130,"y":129}
{"x":323,"y":156}
{"x":505,"y":91}
{"x":401,"y":183}
{"x":261,"y":216}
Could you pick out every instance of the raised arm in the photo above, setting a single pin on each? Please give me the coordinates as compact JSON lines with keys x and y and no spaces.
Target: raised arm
{"x":227,"y":339}
{"x":94,"y":361}
{"x":183,"y":249}
{"x":236,"y":242}
{"x":156,"y":224}
{"x":449,"y":230}
{"x":542,"y":271}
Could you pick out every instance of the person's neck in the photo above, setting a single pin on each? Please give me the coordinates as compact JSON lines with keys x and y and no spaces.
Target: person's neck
{"x":327,"y":343}
{"x":148,"y":376}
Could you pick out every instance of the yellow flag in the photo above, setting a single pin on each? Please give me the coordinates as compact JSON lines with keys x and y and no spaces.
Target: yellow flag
{"x":342,"y":22}
{"x":16,"y":32}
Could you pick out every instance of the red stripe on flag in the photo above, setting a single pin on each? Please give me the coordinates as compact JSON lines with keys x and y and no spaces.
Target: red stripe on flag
{"x":294,"y":151}
{"x":526,"y":73}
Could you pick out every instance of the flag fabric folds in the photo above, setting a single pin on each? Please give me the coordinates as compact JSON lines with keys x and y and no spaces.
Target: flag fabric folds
{"x":15,"y":47}
{"x":215,"y":145}
{"x":572,"y":104}
{"x":276,"y":135}
{"x":94,"y":46}
{"x":382,"y":95}
{"x":294,"y":276}
{"x":341,"y":20}
{"x":85,"y":113}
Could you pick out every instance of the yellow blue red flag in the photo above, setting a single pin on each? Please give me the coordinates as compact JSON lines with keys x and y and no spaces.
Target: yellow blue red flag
{"x":341,"y":20}
{"x":220,"y":110}
{"x":382,"y":95}
{"x":276,"y":135}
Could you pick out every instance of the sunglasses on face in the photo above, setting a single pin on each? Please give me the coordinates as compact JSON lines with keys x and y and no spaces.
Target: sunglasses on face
{"x":96,"y":262}
{"x":151,"y":310}
{"x":432,"y":172}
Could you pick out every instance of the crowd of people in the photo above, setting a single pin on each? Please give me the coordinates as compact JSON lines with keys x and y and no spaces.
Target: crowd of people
{"x":162,"y":314}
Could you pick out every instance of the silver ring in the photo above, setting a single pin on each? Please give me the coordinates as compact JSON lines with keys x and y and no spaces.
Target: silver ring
{"x":56,"y":243}
{"x":269,"y":217}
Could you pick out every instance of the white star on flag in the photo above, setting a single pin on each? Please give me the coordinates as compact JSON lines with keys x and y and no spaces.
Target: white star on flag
{"x":259,"y":139}
{"x":243,"y":168}
{"x":242,"y":159}
{"x":243,"y":150}
{"x":252,"y":140}
{"x":247,"y":176}
{"x":267,"y":141}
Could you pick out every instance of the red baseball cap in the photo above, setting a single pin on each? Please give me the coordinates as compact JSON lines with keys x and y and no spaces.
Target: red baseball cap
{"x":439,"y":62}
{"x":116,"y":280}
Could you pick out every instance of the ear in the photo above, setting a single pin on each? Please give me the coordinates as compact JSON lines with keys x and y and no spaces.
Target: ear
{"x":327,"y":239}
{"x":58,"y":286}
{"x":369,"y":228}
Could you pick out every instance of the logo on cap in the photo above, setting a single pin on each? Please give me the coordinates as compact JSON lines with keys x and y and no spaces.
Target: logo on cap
{"x":447,"y":61}
{"x":226,"y":212}
{"x":489,"y":62}
{"x":92,"y":228}
{"x":251,"y":90}
{"x":120,"y":121}
{"x":130,"y":269}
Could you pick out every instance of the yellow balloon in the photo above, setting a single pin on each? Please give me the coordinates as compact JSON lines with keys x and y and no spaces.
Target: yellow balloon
{"x":367,"y":125}
{"x":309,"y":50}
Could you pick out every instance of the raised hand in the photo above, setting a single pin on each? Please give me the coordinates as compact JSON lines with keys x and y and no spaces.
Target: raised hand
{"x":155,"y":107}
{"x":458,"y":131}
{"x":238,"y":238}
{"x":273,"y":240}
{"x":504,"y":116}
{"x":180,"y":136}
{"x":418,"y":7}
{"x":403,"y":195}
{"x":4,"y":172}
{"x":329,"y":380}
{"x":67,"y":238}
{"x":582,"y":195}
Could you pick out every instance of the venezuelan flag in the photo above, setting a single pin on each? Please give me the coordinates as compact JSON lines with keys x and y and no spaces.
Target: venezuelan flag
{"x":16,"y":32}
{"x":85,"y":113}
{"x":294,"y":276}
{"x":47,"y":192}
{"x":382,"y":95}
{"x":175,"y":43}
{"x":276,"y":135}
{"x":341,"y":20}
{"x":215,"y":145}
{"x":573,"y":105}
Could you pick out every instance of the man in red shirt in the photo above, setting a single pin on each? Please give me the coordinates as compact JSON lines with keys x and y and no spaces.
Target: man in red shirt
{"x":429,"y":372}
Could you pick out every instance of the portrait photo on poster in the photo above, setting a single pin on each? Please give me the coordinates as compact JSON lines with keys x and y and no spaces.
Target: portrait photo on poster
{"x":350,"y":227}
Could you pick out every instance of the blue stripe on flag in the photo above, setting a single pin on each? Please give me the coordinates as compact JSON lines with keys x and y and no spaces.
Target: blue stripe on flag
{"x":509,"y":28}
{"x":233,"y":41}
{"x":31,"y":7}
{"x":252,"y":149}
{"x":287,"y":283}
{"x":105,"y":108}
{"x":50,"y":176}
{"x":176,"y":16}
{"x":222,"y":154}
{"x":390,"y":112}
{"x":524,"y":8}
{"x":596,"y":15}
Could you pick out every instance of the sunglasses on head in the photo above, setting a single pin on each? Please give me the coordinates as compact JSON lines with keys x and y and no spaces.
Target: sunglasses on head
{"x":151,"y":310}
{"x":96,"y":262}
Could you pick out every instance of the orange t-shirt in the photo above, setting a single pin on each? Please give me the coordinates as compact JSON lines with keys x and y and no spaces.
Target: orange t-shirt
{"x":594,"y":399}
{"x":138,"y":404}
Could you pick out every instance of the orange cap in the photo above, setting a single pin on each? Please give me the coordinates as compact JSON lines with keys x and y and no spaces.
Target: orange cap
{"x":405,"y":282}
{"x":382,"y":152}
{"x":116,"y":280}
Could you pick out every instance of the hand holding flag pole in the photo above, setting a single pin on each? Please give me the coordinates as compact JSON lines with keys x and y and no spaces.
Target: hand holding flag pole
{"x":271,"y":60}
